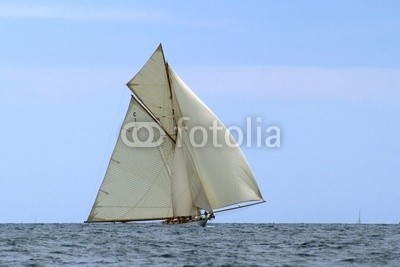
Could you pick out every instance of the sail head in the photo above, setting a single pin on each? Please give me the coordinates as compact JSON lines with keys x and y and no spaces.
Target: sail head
{"x":151,"y":86}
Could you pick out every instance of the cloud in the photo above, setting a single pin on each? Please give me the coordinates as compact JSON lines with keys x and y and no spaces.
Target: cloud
{"x":106,"y":13}
{"x":19,"y":11}
{"x":338,"y":84}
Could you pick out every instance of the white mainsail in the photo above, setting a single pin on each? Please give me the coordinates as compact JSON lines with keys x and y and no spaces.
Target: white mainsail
{"x":175,"y":178}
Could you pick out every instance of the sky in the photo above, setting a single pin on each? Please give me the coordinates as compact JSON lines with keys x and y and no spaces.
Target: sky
{"x":326,"y":72}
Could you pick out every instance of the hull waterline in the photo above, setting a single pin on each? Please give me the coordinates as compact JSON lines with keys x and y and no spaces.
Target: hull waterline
{"x":202,"y":223}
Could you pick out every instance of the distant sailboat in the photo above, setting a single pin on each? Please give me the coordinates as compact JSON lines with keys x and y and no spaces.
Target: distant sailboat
{"x":359,"y":217}
{"x":174,"y":181}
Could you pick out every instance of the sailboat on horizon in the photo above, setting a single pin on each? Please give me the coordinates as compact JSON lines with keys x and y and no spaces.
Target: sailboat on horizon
{"x":172,"y":179}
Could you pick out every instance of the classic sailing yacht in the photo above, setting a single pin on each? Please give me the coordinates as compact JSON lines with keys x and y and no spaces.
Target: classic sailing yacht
{"x":161,"y":167}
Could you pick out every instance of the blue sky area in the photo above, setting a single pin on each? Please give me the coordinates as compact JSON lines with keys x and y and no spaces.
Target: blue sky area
{"x":326,"y":72}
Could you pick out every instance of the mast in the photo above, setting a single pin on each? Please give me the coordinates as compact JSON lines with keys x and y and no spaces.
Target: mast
{"x":171,"y":97}
{"x":169,"y":87}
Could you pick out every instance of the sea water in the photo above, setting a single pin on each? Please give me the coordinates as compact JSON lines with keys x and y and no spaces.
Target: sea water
{"x":218,"y":244}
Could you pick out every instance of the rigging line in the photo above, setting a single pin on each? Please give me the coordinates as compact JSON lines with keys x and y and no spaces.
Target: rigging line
{"x":170,"y":90}
{"x":169,"y":85}
{"x":238,"y":207}
{"x":101,"y":185}
{"x":111,"y":133}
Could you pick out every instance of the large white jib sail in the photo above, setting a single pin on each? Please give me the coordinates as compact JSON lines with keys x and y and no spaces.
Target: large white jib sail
{"x":181,"y":172}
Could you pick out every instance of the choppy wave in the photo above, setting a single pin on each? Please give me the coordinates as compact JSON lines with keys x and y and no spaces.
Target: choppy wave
{"x":220,"y":244}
